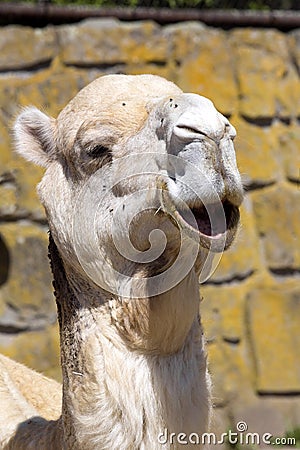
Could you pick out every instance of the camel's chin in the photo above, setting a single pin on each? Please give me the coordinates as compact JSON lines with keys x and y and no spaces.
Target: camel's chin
{"x":213,"y":226}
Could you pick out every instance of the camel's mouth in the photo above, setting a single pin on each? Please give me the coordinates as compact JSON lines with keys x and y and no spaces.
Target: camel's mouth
{"x":214,"y":225}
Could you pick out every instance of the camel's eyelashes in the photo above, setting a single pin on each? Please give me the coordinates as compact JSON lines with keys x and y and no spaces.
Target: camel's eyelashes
{"x":98,"y":150}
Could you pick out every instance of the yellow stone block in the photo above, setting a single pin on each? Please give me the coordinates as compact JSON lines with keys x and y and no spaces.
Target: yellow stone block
{"x":143,"y":41}
{"x":223,"y":312}
{"x":38,"y":350}
{"x":288,"y":141}
{"x":27,"y":292}
{"x":231,"y":368}
{"x":257,"y":152}
{"x":274,"y":327}
{"x":186,"y":38}
{"x":27,"y":177}
{"x":273,"y":41}
{"x":22,"y":47}
{"x":205,"y":65}
{"x":268,"y":81}
{"x":108,"y":41}
{"x":8,"y":201}
{"x":277,"y":212}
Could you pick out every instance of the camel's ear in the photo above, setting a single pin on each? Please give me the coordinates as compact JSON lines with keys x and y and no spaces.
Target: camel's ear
{"x":34,"y":136}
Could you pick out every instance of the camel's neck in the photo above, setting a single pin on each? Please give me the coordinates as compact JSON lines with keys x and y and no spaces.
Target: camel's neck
{"x":130,"y":368}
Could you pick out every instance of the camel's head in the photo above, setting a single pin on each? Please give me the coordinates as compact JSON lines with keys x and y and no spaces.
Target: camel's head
{"x":141,"y":178}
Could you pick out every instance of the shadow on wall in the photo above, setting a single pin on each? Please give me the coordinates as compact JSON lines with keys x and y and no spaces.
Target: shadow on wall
{"x":4,"y":262}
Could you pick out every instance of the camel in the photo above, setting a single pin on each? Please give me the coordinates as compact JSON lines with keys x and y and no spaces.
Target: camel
{"x":141,"y":189}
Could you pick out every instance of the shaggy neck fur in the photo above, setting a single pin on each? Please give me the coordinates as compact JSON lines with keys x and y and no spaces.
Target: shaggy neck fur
{"x":127,"y":378}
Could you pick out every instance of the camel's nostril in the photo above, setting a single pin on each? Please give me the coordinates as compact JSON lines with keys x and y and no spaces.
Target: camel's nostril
{"x":190,"y":129}
{"x":186,"y":131}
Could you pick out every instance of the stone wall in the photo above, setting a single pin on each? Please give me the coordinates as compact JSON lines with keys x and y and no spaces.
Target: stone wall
{"x":251,"y":310}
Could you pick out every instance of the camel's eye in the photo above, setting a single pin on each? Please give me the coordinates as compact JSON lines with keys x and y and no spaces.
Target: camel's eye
{"x":98,"y":151}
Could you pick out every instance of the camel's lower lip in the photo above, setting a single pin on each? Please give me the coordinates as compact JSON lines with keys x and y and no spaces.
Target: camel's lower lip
{"x":214,"y":225}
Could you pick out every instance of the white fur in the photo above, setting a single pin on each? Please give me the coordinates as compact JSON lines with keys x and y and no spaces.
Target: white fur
{"x":157,"y":392}
{"x":132,"y":367}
